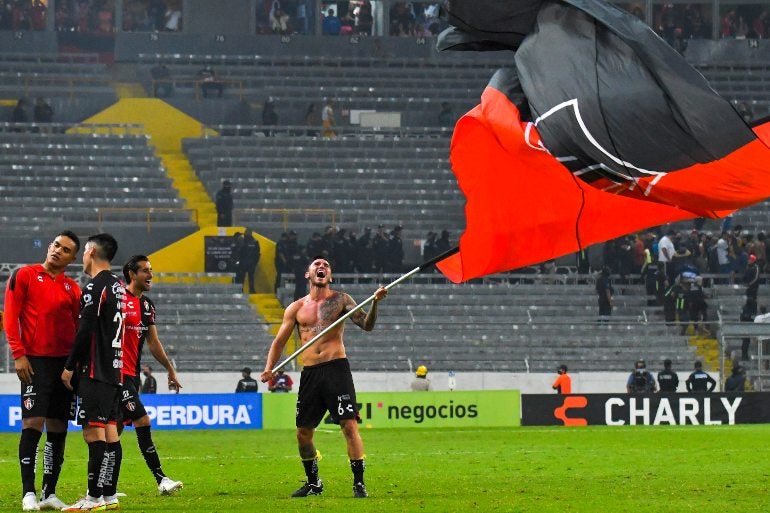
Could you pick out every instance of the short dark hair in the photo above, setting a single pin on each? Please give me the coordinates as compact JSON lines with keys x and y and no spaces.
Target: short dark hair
{"x":106,"y":245}
{"x":132,"y":266}
{"x":70,"y":235}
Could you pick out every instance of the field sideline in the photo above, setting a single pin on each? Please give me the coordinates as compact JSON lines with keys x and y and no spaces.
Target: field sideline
{"x":593,"y":469}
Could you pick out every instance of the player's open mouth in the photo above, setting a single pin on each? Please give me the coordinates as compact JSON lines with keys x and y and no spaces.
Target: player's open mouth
{"x":320,"y":274}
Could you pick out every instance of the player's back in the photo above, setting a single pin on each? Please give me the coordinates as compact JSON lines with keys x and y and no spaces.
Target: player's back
{"x":102,"y":303}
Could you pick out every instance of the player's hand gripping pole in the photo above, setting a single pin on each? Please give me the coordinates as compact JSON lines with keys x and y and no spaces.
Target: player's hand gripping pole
{"x":359,"y":306}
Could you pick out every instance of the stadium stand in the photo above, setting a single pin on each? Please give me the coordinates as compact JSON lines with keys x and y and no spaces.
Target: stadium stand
{"x":50,"y":180}
{"x":359,"y":178}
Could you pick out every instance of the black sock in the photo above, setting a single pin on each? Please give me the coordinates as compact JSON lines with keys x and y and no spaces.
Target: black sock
{"x":28,"y":458}
{"x":96,"y":457}
{"x":53,"y":458}
{"x":113,"y":458}
{"x":311,"y":470}
{"x":144,"y":439}
{"x":358,"y":467}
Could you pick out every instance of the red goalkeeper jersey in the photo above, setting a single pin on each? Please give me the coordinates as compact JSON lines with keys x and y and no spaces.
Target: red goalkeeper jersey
{"x":41,"y":312}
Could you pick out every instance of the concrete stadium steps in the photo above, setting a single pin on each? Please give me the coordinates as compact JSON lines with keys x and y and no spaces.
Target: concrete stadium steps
{"x":509,"y":327}
{"x":365,"y":181}
{"x":208,"y":326}
{"x":83,"y":181}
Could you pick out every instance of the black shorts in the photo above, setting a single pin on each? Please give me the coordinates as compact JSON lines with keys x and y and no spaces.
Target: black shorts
{"x":99,"y":403}
{"x":47,"y":396}
{"x":326,"y":387}
{"x":131,"y":405}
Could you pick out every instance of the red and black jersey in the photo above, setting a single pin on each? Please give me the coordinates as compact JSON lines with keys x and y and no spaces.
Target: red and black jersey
{"x":140,"y":315}
{"x":99,"y":342}
{"x":41,"y":312}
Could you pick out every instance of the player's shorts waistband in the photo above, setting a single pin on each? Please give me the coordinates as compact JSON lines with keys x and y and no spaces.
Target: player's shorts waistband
{"x":336,"y":361}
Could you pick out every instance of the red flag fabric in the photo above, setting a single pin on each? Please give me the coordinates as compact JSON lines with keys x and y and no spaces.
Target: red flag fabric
{"x":524,"y":206}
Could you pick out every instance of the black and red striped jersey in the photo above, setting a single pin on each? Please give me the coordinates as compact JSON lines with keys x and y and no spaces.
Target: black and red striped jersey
{"x":140,"y":315}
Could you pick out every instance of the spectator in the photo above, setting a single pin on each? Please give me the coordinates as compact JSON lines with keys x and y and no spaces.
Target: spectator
{"x":246,"y":383}
{"x":563,"y":382}
{"x":445,"y":115}
{"x":641,"y":380}
{"x":748,"y":311}
{"x":281,"y":382}
{"x":173,"y":19}
{"x":43,"y":112}
{"x":395,"y":250}
{"x":604,"y":292}
{"x":162,"y":83}
{"x":208,"y":81}
{"x":149,"y":386}
{"x":282,"y":258}
{"x":19,"y":114}
{"x":235,"y":256}
{"x":666,"y":252}
{"x":430,"y":248}
{"x":699,"y":381}
{"x":751,"y":278}
{"x":380,"y":247}
{"x":311,"y":120}
{"x":365,"y":252}
{"x":668,"y":380}
{"x":327,"y":119}
{"x":421,"y":382}
{"x":443,"y":244}
{"x":764,"y":317}
{"x":248,"y":260}
{"x":331,"y":24}
{"x":697,"y":306}
{"x":269,"y":116}
{"x":737,"y":380}
{"x":279,"y":21}
{"x":224,"y":202}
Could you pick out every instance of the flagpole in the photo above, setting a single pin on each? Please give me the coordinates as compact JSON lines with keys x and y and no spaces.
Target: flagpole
{"x":359,"y":306}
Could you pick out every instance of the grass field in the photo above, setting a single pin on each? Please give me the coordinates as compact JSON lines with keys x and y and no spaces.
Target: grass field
{"x":593,"y":469}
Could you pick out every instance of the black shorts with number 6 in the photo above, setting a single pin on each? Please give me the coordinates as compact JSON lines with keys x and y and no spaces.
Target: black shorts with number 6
{"x":326,"y":387}
{"x":130,"y":403}
{"x":46,"y":396}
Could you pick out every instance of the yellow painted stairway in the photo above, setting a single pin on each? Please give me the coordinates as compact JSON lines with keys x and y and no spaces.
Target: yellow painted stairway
{"x":166,"y":127}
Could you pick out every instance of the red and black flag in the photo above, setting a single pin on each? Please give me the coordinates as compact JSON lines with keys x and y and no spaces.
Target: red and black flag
{"x":597,"y":129}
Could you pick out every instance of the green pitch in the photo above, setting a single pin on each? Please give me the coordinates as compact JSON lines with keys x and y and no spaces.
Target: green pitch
{"x":595,"y":469}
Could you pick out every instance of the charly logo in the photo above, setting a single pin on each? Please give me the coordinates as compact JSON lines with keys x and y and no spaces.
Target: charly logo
{"x":571,"y":402}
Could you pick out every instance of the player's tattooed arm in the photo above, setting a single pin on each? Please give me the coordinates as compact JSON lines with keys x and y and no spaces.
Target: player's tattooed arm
{"x":366,"y":320}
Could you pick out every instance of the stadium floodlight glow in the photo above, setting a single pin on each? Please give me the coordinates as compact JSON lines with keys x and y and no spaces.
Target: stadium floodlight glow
{"x":359,"y":306}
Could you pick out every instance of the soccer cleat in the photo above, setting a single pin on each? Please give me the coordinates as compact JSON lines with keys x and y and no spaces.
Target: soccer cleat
{"x":168,"y":486}
{"x":309,"y":489}
{"x":108,"y":505}
{"x":29,"y":502}
{"x":359,"y":491}
{"x":85,"y":504}
{"x":52,"y":502}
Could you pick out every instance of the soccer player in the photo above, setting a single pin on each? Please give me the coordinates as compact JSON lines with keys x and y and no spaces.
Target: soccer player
{"x":41,"y":318}
{"x":140,"y":328}
{"x":326,"y":382}
{"x":97,"y":356}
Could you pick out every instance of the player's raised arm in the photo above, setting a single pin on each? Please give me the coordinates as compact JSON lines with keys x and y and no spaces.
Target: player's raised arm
{"x":365,"y":320}
{"x":279,"y":342}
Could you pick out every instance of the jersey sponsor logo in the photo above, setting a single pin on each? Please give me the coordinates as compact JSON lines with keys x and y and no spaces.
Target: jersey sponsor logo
{"x":570,"y":402}
{"x":194,"y":415}
{"x":88,"y":300}
{"x":28,"y":403}
{"x":146,"y":306}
